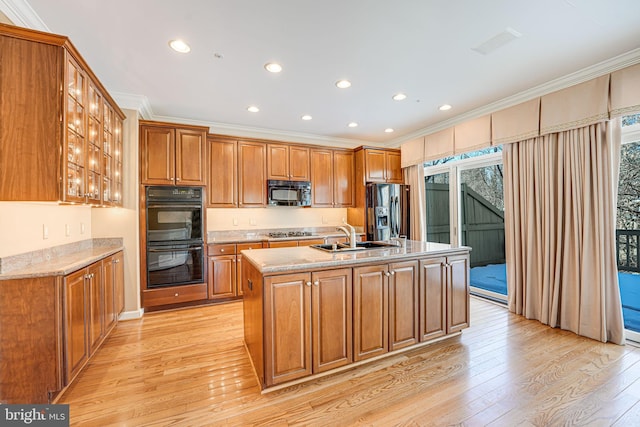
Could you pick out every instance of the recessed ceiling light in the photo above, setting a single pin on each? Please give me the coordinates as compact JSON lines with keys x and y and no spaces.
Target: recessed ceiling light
{"x":343,"y":84}
{"x":444,"y":107}
{"x":273,"y":67}
{"x":252,"y":109}
{"x":352,"y":125}
{"x":399,"y":97}
{"x":388,"y":130}
{"x":306,"y":117}
{"x":179,"y":46}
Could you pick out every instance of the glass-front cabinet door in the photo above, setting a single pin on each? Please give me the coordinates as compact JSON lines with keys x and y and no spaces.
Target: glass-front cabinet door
{"x":93,"y":144}
{"x":75,"y":143}
{"x":108,"y":150}
{"x":116,"y":194}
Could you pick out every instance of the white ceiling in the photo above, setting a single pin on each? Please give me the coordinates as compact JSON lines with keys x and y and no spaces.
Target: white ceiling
{"x":420,"y":47}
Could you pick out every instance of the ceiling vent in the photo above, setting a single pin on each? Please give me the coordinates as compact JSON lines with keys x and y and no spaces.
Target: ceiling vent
{"x":497,"y":41}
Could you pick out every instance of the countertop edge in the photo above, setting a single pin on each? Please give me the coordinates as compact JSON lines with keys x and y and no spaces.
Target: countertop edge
{"x":331,"y":264}
{"x":65,"y":267}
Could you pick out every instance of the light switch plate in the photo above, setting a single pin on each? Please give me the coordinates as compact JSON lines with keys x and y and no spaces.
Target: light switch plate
{"x":67,"y":230}
{"x":45,"y":232}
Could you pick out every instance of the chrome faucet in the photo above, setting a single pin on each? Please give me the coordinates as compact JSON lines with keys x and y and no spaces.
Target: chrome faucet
{"x":350,"y":232}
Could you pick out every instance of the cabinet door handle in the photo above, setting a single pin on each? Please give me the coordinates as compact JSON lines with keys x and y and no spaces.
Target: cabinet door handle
{"x":176,"y":294}
{"x":317,"y":282}
{"x":233,"y":260}
{"x":393,"y":273}
{"x":386,"y":273}
{"x":177,"y":179}
{"x":221,"y":250}
{"x":308,"y":283}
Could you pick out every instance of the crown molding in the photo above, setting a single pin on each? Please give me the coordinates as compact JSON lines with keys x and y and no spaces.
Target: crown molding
{"x":22,"y":14}
{"x":616,"y":63}
{"x":263,"y":133}
{"x":131,"y":101}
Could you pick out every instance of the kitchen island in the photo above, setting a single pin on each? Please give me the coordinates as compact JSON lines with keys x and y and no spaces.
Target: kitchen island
{"x":308,"y":312}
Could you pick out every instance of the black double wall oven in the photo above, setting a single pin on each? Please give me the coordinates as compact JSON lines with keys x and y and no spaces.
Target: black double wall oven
{"x":174,"y":232}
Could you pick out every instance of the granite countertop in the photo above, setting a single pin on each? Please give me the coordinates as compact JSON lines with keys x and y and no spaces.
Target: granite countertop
{"x":285,"y":260}
{"x":58,"y":261}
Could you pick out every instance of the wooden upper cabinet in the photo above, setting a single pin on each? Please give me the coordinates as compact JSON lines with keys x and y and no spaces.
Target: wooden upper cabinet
{"x":52,"y":109}
{"x":172,"y":154}
{"x":157,"y":155}
{"x":332,"y":178}
{"x":252,"y":185}
{"x":394,"y":169}
{"x":383,"y":166}
{"x":322,"y":178}
{"x":343,"y":178}
{"x":287,"y":162}
{"x":190,"y":156}
{"x":299,"y":163}
{"x":222,"y":170}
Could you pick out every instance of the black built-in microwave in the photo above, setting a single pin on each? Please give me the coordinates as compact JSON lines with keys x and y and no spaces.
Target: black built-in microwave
{"x":289,"y":193}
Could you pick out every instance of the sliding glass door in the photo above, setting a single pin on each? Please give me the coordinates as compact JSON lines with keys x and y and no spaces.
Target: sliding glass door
{"x":465,"y":206}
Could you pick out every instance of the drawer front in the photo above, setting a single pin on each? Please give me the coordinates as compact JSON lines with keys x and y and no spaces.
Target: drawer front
{"x":245,"y":246}
{"x":225,"y":249}
{"x":310,"y":242}
{"x":174,"y":295}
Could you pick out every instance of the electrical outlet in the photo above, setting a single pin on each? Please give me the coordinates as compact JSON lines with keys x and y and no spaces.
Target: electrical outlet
{"x":252,"y":221}
{"x":325,"y":220}
{"x":82,"y":228}
{"x":45,"y":232}
{"x":67,"y":230}
{"x":235,"y":221}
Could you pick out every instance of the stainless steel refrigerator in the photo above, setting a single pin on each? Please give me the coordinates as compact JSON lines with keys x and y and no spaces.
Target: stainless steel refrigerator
{"x":387,"y":211}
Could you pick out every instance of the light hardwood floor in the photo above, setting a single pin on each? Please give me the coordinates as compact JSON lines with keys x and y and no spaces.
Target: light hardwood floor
{"x":189,"y":368}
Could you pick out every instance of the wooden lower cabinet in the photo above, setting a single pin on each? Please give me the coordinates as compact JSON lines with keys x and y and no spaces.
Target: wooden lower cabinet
{"x":331,"y":307}
{"x":222,"y":276}
{"x":307,"y":324}
{"x":97,"y":306}
{"x":403,"y":304}
{"x":76,"y":315}
{"x":287,"y":327}
{"x":92,"y":302}
{"x":457,"y":293}
{"x":370,"y":311}
{"x":433,"y":298}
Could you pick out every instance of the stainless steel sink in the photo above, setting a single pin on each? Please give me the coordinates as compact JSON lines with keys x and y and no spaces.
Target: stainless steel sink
{"x":360,"y":246}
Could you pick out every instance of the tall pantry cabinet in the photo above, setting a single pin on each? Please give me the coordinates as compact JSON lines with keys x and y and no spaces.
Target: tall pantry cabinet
{"x":61,"y":132}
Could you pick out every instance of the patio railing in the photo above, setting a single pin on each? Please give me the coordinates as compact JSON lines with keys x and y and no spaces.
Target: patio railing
{"x":627,"y":250}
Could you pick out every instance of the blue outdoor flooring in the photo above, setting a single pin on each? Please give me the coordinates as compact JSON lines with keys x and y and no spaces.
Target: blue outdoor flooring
{"x":493,"y":278}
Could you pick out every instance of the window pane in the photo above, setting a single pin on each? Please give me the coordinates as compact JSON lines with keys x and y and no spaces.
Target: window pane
{"x":437,"y":199}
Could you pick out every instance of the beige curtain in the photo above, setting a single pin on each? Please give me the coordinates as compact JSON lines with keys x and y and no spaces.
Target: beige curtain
{"x":414,"y":177}
{"x":560,"y":231}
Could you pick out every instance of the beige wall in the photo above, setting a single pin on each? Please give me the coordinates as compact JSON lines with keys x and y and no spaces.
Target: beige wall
{"x":275,"y":217}
{"x":123,"y":222}
{"x":22,"y":223}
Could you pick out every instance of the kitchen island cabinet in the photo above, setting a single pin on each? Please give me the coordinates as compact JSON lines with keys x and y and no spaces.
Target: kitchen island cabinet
{"x":378,"y":301}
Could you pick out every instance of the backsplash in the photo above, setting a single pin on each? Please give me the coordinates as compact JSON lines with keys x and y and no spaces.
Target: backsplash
{"x":272,"y":218}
